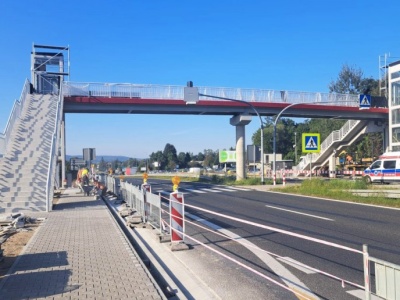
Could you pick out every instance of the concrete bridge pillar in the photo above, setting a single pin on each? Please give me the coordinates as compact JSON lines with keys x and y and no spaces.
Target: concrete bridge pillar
{"x":240,"y":121}
{"x":332,"y":165}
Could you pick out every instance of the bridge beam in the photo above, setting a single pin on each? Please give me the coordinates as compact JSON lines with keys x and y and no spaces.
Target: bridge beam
{"x":240,"y":121}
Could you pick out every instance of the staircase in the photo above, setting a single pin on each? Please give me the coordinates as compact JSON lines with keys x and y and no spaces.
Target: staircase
{"x":351,"y":131}
{"x":25,"y":167}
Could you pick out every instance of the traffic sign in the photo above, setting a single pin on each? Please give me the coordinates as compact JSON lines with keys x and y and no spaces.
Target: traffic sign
{"x":365,"y":101}
{"x":311,"y":142}
{"x":76,"y":163}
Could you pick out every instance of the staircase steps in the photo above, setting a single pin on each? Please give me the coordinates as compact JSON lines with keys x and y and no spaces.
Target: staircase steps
{"x":24,"y":168}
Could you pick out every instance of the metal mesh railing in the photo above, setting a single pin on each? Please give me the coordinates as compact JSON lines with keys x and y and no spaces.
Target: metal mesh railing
{"x":148,"y":91}
{"x":14,"y":115}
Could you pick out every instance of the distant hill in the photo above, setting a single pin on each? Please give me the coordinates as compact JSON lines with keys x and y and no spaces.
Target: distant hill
{"x":106,"y":158}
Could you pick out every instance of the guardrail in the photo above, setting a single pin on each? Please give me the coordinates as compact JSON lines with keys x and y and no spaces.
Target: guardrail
{"x":149,"y":91}
{"x":14,"y":115}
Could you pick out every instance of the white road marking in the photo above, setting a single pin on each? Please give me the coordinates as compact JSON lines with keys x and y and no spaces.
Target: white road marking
{"x":296,"y":264}
{"x":299,"y":213}
{"x":225,"y":190}
{"x":238,"y":188}
{"x":210,"y":190}
{"x":195,"y":191}
{"x":290,"y":280}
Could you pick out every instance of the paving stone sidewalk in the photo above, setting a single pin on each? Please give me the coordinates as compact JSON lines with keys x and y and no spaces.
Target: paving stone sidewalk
{"x":79,"y":253}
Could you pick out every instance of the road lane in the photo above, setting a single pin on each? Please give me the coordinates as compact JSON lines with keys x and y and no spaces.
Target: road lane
{"x":353,"y":226}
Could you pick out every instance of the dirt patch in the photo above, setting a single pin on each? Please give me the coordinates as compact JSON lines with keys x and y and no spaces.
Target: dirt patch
{"x":14,"y":245}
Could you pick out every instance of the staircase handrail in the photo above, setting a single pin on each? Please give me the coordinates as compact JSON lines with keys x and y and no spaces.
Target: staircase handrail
{"x":54,"y":152}
{"x":14,"y":115}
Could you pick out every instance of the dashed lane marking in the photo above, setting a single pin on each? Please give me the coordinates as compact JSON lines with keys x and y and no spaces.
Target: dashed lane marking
{"x":299,"y":213}
{"x":225,"y":189}
{"x":195,"y":191}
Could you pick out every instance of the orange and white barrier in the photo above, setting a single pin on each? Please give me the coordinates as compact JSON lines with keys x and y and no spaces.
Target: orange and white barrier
{"x":177,"y":213}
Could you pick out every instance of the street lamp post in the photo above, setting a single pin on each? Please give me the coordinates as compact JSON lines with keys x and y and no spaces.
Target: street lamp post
{"x":274,"y":145}
{"x":261,"y":127}
{"x":295,"y":147}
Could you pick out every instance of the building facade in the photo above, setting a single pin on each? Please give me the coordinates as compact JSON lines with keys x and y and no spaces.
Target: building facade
{"x":394,"y":106}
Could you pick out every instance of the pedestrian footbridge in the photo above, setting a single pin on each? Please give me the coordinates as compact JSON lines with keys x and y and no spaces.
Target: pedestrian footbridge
{"x":32,"y":149}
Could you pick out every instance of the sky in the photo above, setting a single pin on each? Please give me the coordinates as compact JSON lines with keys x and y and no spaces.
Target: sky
{"x":279,"y":45}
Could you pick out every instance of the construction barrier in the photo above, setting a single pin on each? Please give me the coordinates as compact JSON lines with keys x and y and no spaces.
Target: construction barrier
{"x":146,"y":188}
{"x":177,"y":213}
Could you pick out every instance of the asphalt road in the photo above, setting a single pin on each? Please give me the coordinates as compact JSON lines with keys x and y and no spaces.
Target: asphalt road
{"x":347,"y":224}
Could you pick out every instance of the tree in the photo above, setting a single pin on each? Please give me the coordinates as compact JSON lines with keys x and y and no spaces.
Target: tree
{"x":285,"y":129}
{"x":171,"y":156}
{"x":102,"y":165}
{"x":200,"y":156}
{"x":211,"y":158}
{"x":369,"y":86}
{"x":183,"y":159}
{"x":348,"y":82}
{"x":131,"y":162}
{"x":159,"y":158}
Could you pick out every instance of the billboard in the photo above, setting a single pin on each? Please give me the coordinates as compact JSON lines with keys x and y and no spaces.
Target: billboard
{"x":227,"y":156}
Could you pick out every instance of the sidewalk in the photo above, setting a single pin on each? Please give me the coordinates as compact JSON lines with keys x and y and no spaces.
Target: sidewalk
{"x":79,"y":253}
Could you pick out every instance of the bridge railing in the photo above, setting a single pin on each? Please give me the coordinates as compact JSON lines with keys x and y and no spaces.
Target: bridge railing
{"x":14,"y":115}
{"x":149,"y":91}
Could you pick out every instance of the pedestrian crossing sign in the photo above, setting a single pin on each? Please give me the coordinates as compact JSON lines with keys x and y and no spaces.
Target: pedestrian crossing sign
{"x":365,"y":101}
{"x":311,"y":142}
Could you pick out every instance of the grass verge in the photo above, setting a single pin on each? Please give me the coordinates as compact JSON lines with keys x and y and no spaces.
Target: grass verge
{"x":340,"y":190}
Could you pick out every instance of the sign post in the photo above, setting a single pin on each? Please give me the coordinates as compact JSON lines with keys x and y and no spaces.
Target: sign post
{"x":311,"y":144}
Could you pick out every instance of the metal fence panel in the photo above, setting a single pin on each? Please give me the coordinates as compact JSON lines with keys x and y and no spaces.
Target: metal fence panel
{"x":387,"y":279}
{"x":154,"y":213}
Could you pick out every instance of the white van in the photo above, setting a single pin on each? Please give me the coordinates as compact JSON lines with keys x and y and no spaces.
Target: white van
{"x":385,"y":169}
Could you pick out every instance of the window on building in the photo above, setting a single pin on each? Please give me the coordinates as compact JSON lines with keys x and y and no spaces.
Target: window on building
{"x":395,"y":116}
{"x":396,"y":93}
{"x":396,"y":135}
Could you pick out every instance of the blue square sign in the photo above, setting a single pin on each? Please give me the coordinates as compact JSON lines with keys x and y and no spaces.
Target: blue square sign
{"x":365,"y":101}
{"x":311,"y":142}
